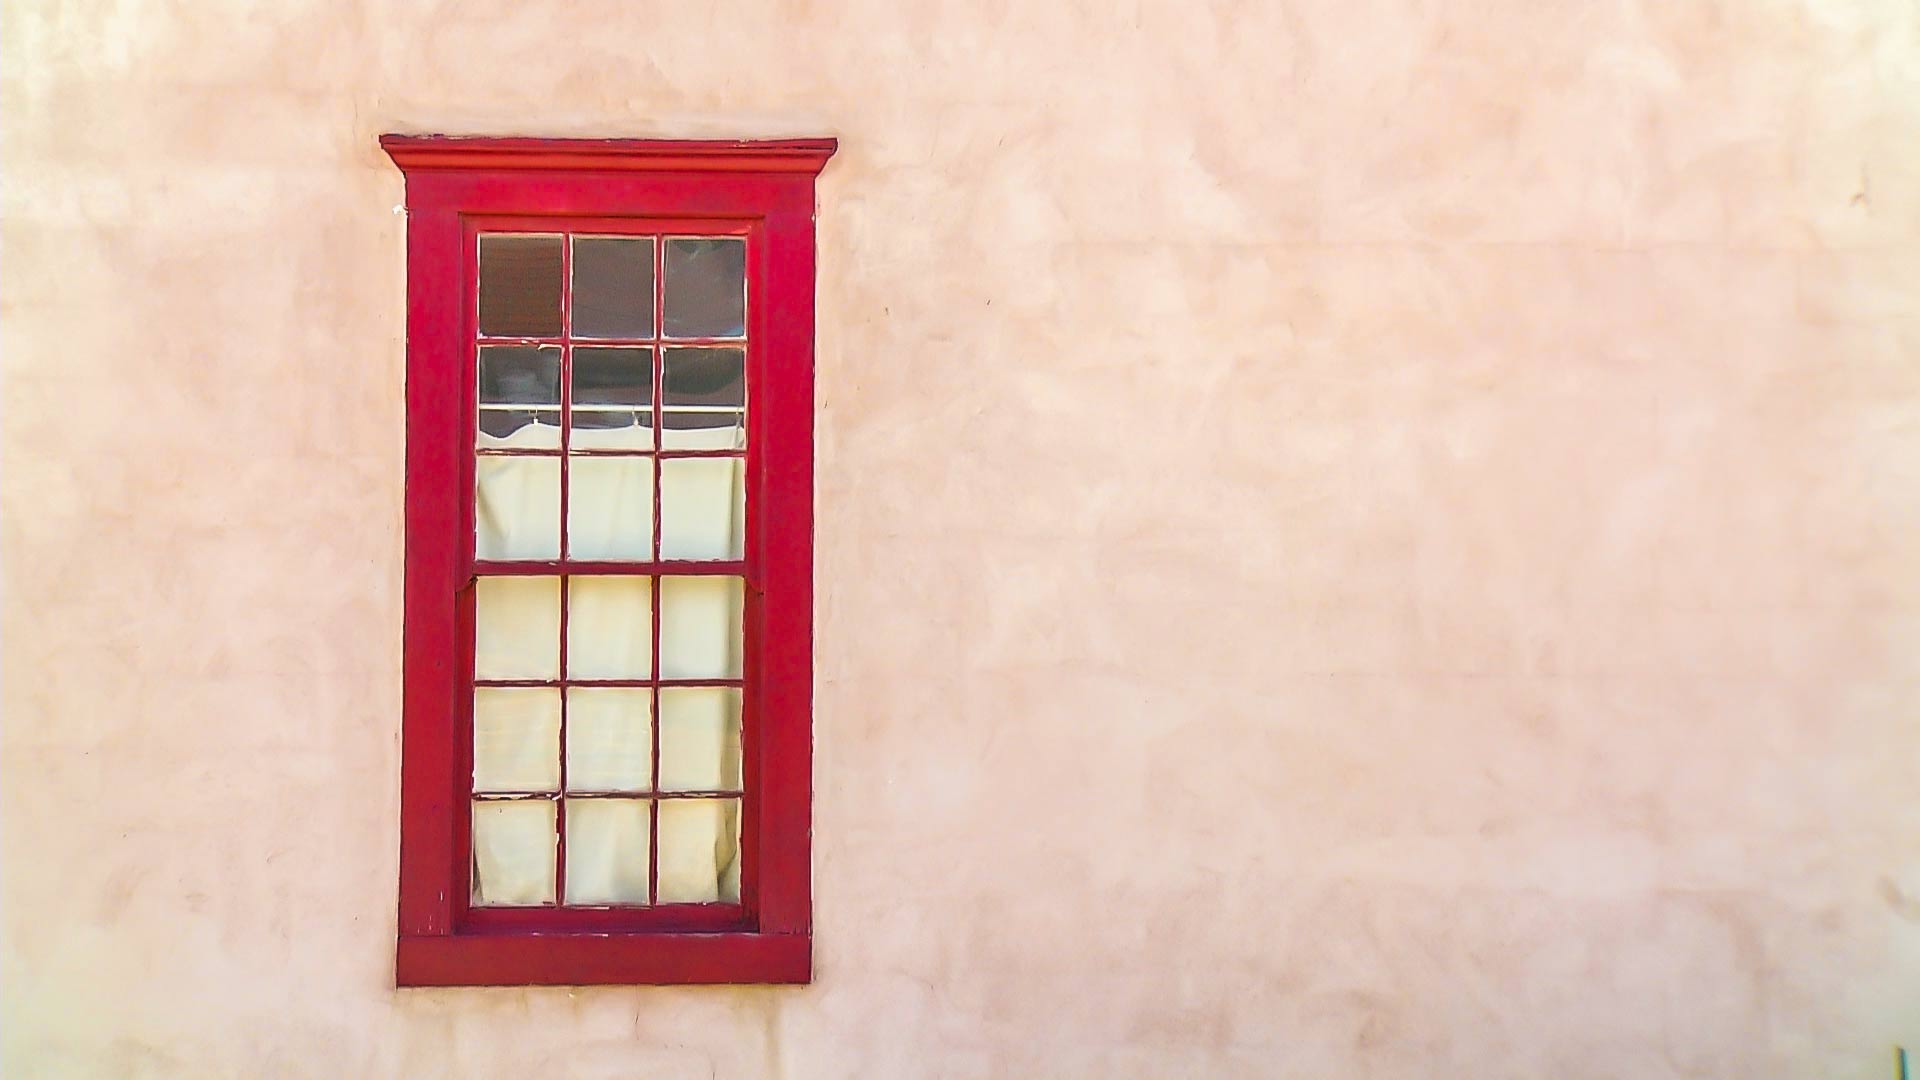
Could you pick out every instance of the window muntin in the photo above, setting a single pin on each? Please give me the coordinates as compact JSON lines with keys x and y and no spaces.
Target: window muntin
{"x":603,"y":453}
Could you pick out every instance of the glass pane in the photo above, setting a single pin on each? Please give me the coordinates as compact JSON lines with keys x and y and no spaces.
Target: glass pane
{"x":612,"y":287}
{"x":629,"y":429}
{"x":610,"y":508}
{"x":609,"y":627}
{"x":512,"y":852}
{"x":704,"y":429}
{"x":706,"y":287}
{"x":613,"y":388}
{"x":606,"y":851}
{"x":516,"y":628}
{"x":609,"y":741}
{"x":518,"y":512}
{"x":700,"y":627}
{"x":519,"y":286}
{"x":516,"y":739}
{"x":699,"y":851}
{"x":699,"y":738}
{"x":703,"y":508}
{"x":703,"y":398}
{"x":520,"y":374}
{"x":514,"y":379}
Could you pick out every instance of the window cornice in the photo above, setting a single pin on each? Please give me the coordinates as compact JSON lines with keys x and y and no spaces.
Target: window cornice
{"x":421,"y":153}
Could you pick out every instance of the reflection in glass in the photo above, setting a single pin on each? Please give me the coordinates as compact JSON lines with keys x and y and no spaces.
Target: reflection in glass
{"x":612,"y":388}
{"x":705,"y":376}
{"x":704,"y":399}
{"x":706,"y":287}
{"x":519,"y":396}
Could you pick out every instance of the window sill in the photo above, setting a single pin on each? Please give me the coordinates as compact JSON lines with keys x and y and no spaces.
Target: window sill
{"x":590,"y":959}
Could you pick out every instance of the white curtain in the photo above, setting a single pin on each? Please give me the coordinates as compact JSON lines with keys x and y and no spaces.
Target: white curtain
{"x":610,"y":500}
{"x":516,"y":747}
{"x":513,"y":844}
{"x":606,"y":851}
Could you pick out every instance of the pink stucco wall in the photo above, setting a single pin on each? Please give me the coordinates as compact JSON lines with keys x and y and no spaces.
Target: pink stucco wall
{"x":1357,"y":539}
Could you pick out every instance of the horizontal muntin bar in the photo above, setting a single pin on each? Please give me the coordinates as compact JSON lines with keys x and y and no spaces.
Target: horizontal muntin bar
{"x":509,"y":451}
{"x":618,"y":684}
{"x":603,"y":406}
{"x":717,"y":911}
{"x":536,"y":796}
{"x":608,"y":568}
{"x":614,"y":343}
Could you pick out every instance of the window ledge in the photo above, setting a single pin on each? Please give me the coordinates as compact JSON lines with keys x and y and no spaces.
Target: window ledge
{"x":588,"y":959}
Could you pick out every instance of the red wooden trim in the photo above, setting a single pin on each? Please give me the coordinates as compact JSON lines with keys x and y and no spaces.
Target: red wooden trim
{"x":600,"y":959}
{"x":598,"y":452}
{"x":638,"y":567}
{"x":566,"y":531}
{"x":435,"y":590}
{"x":668,"y":683}
{"x":624,"y":343}
{"x":780,"y":602}
{"x":763,"y":192}
{"x":418,"y":152}
{"x":628,"y":224}
{"x":633,"y":918}
{"x":654,"y":396}
{"x":600,"y":196}
{"x":557,"y":793}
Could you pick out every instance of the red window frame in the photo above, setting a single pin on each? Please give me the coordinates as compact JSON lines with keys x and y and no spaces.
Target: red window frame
{"x":763,"y":190}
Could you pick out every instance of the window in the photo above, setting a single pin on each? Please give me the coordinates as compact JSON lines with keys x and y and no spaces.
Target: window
{"x":606,"y":733}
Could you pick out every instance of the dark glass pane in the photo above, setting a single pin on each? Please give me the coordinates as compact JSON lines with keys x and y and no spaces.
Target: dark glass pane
{"x":703,"y":399}
{"x":513,"y":380}
{"x":613,"y":376}
{"x":705,"y":377}
{"x":605,"y":376}
{"x":520,"y":286}
{"x":521,"y":374}
{"x":502,"y":423}
{"x":706,"y":288}
{"x":612,"y":287}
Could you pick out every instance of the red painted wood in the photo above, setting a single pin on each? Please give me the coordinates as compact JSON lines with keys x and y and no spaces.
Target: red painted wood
{"x":435,"y":586}
{"x":605,"y":452}
{"x":742,"y":197}
{"x":763,"y":191}
{"x":642,"y":683}
{"x":566,"y":594}
{"x":666,"y":918}
{"x":585,"y":959}
{"x":638,"y":567}
{"x":655,"y":396}
{"x":423,"y":152}
{"x":530,"y":796}
{"x":780,"y":602}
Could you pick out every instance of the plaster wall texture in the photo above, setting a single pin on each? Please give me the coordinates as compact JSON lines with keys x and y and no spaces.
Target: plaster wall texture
{"x":1357,"y":539}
